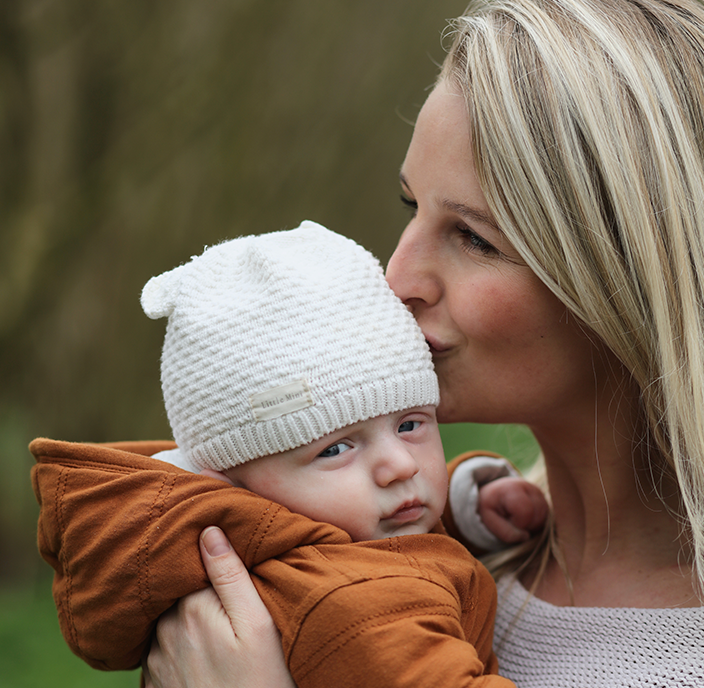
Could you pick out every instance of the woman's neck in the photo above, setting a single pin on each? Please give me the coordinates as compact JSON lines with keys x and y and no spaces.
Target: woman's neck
{"x":619,"y":539}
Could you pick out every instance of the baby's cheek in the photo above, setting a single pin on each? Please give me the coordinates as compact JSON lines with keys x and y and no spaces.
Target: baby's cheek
{"x":356,"y":521}
{"x":437,"y":477}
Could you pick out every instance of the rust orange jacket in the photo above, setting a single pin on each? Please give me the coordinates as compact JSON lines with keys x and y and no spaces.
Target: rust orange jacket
{"x":121,"y":531}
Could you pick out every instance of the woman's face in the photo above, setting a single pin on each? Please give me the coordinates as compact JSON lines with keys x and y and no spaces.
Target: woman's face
{"x":504,"y":347}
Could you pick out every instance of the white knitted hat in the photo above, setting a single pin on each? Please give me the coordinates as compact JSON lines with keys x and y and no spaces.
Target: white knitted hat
{"x":276,"y":340}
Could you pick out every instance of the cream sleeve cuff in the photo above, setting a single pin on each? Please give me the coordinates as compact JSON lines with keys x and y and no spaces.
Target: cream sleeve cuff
{"x":466,"y":480}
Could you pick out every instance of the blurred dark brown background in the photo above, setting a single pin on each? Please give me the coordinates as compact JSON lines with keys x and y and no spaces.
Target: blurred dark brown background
{"x":134,"y":133}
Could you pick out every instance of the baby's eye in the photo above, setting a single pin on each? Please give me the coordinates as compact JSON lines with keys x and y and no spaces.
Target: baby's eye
{"x":335,"y":449}
{"x":409,"y":426}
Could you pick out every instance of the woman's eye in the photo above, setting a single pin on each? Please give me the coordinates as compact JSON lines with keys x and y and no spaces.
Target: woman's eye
{"x":471,"y":241}
{"x":334,"y":449}
{"x":409,"y":426}
{"x":410,"y":204}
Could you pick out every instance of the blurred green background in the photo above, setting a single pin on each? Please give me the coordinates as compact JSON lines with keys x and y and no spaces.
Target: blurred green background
{"x":132,"y":134}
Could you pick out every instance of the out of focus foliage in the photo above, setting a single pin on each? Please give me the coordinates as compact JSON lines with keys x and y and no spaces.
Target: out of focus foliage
{"x":132,"y":134}
{"x":135,"y":132}
{"x":33,"y":653}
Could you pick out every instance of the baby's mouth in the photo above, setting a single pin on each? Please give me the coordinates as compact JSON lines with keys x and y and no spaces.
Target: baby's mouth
{"x":407,"y":512}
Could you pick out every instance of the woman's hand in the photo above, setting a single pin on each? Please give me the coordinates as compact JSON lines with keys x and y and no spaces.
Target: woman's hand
{"x":221,"y":636}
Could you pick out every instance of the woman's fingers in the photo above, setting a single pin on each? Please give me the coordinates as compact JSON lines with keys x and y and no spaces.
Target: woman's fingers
{"x":222,"y":637}
{"x":258,"y":658}
{"x":233,"y":585}
{"x":184,"y":637}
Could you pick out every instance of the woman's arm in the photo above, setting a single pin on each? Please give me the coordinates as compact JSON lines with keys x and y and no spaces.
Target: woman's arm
{"x":221,"y":636}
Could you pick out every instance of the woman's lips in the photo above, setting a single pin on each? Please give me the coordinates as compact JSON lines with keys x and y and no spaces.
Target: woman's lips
{"x":436,"y":346}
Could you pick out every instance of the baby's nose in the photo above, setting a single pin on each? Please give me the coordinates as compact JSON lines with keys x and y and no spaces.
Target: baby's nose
{"x":394,"y":464}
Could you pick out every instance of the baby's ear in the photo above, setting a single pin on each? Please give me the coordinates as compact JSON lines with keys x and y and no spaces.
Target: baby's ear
{"x":217,"y":475}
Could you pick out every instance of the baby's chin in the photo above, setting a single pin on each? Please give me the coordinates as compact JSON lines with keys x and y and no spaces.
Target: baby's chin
{"x":402,"y":529}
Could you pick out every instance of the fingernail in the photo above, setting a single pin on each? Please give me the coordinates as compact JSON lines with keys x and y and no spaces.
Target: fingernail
{"x":215,"y":542}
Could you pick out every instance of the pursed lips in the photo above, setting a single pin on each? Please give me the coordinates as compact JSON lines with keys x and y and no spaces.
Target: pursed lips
{"x":410,"y":510}
{"x":436,"y":346}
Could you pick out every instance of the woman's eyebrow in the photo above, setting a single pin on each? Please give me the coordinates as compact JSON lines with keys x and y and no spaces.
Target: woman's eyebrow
{"x":461,"y":209}
{"x":471,"y":213}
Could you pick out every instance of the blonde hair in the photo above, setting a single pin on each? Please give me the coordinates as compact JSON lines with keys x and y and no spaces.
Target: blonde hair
{"x":587,"y":124}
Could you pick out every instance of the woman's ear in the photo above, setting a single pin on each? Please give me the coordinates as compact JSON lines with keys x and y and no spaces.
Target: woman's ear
{"x":218,"y":475}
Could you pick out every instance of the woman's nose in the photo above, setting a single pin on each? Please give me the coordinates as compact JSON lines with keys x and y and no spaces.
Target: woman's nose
{"x":394,"y":464}
{"x":411,"y":271}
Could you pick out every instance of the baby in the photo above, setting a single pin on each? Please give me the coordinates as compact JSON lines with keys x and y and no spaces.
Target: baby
{"x":289,"y":368}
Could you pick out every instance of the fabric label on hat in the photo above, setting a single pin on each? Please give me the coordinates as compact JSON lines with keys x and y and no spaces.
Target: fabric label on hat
{"x":279,"y":401}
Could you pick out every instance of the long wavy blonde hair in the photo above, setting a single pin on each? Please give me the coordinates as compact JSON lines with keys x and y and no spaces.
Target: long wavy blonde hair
{"x":587,"y":123}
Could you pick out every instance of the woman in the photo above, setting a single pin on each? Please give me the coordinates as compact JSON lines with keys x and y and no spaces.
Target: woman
{"x":555,"y":261}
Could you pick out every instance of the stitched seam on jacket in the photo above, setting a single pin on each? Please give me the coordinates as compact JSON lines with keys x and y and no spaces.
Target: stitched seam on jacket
{"x":143,"y":581}
{"x":354,"y":575}
{"x":258,"y":538}
{"x":412,"y":561}
{"x":60,"y":494}
{"x":418,"y":606}
{"x":351,"y":573}
{"x":400,"y":612}
{"x":64,"y":462}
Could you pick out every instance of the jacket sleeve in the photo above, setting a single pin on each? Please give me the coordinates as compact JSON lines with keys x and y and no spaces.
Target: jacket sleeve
{"x":395,"y":632}
{"x":121,"y":532}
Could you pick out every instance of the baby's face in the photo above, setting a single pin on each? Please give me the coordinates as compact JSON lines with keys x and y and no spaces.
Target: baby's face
{"x":376,"y":479}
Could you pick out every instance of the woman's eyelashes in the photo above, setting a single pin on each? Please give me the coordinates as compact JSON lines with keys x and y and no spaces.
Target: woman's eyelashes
{"x":471,"y":241}
{"x":410,"y":204}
